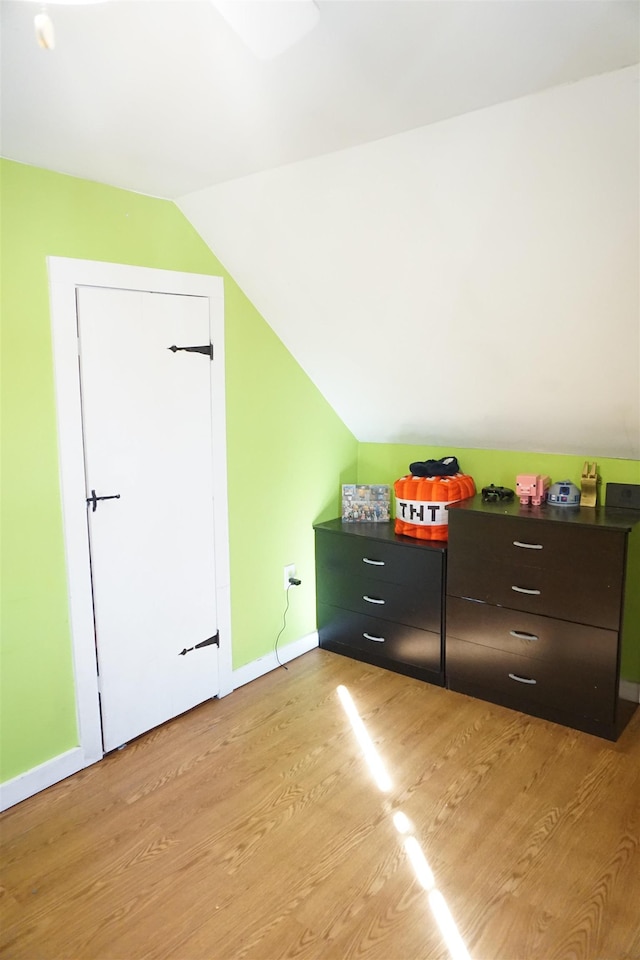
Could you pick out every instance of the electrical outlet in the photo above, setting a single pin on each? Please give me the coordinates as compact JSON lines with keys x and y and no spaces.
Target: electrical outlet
{"x":289,"y":571}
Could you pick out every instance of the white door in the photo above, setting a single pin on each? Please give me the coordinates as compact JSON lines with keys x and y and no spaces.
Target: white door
{"x":146,"y":413}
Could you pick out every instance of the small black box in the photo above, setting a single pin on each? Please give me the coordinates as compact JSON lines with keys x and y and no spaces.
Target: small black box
{"x":623,"y":495}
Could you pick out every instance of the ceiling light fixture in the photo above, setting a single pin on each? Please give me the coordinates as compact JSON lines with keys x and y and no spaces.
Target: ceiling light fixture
{"x":45,"y":34}
{"x":269,"y":27}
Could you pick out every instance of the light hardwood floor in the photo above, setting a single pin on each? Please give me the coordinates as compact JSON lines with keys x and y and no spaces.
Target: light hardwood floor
{"x":253,"y":827}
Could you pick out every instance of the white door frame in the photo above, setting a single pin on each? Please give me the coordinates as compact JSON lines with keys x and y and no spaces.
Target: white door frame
{"x":64,"y":276}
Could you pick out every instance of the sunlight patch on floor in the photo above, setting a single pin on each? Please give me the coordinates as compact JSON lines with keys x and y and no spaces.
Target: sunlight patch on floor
{"x":371,"y":755}
{"x":413,"y":849}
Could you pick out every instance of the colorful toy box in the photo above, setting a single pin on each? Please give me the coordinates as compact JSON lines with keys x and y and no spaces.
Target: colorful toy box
{"x":421,"y":504}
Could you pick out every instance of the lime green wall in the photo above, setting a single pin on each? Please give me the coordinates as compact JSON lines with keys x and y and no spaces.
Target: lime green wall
{"x":288,"y":454}
{"x":286,"y":449}
{"x":385,"y":462}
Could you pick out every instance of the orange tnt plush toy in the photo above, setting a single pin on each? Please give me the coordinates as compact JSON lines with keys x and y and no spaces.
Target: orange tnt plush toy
{"x":421,"y":504}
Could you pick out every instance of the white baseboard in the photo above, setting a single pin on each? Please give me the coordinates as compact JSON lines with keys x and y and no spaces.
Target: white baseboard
{"x":59,"y":768}
{"x":42,"y":776}
{"x":630,"y":691}
{"x":258,"y":668}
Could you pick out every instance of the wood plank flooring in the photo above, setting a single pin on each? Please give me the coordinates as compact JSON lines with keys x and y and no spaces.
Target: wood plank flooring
{"x":252,"y":827}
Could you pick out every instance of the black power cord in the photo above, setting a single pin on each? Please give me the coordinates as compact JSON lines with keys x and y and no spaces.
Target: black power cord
{"x":293,"y":582}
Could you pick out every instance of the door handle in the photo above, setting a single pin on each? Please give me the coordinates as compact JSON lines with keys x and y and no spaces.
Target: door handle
{"x":375,"y":563}
{"x":532,"y":593}
{"x":528,"y":546}
{"x":372,"y":599}
{"x":514,"y":676}
{"x":94,"y":500}
{"x":368,"y":636}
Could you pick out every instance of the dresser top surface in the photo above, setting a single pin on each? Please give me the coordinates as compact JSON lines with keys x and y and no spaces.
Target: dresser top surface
{"x":384,"y":531}
{"x":607,"y":518}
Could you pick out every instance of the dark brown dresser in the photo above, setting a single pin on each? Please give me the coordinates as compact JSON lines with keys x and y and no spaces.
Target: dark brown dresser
{"x":540,"y":610}
{"x":380,"y":597}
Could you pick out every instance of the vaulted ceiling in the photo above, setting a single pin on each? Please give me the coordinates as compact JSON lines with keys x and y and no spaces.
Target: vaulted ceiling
{"x":164,"y":98}
{"x":351,"y":187}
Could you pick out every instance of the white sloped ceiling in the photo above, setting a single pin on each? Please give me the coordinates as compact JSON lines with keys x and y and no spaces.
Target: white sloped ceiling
{"x":469,"y":283}
{"x":434,"y":203}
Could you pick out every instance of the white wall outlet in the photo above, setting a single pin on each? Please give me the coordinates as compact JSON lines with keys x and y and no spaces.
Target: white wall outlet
{"x":289,"y":571}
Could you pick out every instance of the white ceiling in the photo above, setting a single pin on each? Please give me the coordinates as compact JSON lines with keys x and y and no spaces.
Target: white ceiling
{"x":433,"y":203}
{"x":470,"y":283}
{"x":163,"y":98}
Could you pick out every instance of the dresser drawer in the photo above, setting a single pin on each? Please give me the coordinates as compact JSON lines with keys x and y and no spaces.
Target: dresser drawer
{"x":590,"y":651}
{"x":556,"y":569}
{"x":579,"y":592}
{"x":377,"y":559}
{"x":418,"y":606}
{"x":379,"y":639}
{"x":536,"y":543}
{"x":524,"y":682}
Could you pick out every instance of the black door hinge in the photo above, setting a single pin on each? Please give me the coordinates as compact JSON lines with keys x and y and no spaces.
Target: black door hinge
{"x":206,"y":348}
{"x":211,"y":641}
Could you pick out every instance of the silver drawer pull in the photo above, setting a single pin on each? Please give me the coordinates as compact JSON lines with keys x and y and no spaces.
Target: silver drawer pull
{"x":368,"y":636}
{"x":527,"y":546}
{"x":374,"y":563}
{"x":521,"y":635}
{"x":532,"y":593}
{"x":372,"y":599}
{"x":514,"y":676}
